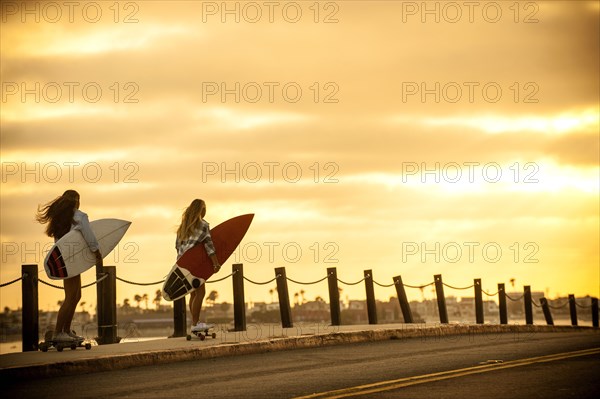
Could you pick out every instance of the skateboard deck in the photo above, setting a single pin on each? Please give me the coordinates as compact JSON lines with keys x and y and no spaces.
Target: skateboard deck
{"x":195,"y":267}
{"x":203,"y":334}
{"x":49,"y":343}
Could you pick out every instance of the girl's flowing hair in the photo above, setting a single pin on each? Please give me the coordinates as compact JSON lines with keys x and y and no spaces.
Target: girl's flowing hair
{"x":191,"y":219}
{"x":58,"y":213}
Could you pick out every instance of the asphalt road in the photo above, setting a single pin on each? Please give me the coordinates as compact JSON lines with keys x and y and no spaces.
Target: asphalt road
{"x":503,"y":365}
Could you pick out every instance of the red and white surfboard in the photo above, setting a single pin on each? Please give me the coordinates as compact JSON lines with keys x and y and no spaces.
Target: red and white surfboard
{"x":195,"y":267}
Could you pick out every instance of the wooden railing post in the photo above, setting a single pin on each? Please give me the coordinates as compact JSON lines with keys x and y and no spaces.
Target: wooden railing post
{"x":403,"y":299}
{"x":528,"y":304}
{"x":107,"y":307}
{"x":595,"y":312}
{"x":179,"y":318}
{"x":478,"y":302}
{"x":30,"y":316}
{"x":546,"y":310}
{"x":573,"y":309}
{"x":441,"y":300}
{"x":284,"y":298}
{"x":239,"y":303}
{"x":502,"y":304}
{"x":334,"y":296}
{"x":371,"y":303}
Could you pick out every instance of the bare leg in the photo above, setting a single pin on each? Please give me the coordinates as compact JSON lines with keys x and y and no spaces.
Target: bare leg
{"x":192,"y":296}
{"x":69,"y":306}
{"x":196,"y":303}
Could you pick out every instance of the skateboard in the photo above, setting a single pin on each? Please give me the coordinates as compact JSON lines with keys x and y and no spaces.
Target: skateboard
{"x":59,"y":346}
{"x":203,"y":334}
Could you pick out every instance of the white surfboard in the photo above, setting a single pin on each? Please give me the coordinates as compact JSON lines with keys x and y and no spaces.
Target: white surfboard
{"x":71,"y":255}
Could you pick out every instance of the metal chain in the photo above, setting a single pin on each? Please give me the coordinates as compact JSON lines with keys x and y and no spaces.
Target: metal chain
{"x":221,"y":279}
{"x":134,"y":283}
{"x":384,"y":285}
{"x":582,"y":306}
{"x":419,"y":286}
{"x":11,"y":282}
{"x":95,"y":282}
{"x":358,"y":282}
{"x":265,"y":283}
{"x":535,"y":304}
{"x":301,"y":283}
{"x":559,"y":306}
{"x":514,"y":300}
{"x":51,"y":285}
{"x":458,"y":288}
{"x":83,"y":286}
{"x":496,"y":293}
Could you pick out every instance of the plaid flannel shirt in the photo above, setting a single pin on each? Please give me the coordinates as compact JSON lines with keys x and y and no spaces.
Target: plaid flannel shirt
{"x":200,"y":236}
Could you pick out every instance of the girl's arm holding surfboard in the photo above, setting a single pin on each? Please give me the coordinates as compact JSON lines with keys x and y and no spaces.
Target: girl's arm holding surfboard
{"x":210,"y":249}
{"x":83,"y":224}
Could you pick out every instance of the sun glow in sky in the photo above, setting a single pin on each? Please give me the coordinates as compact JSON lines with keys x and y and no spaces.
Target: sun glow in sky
{"x":361,"y":134}
{"x":554,"y":124}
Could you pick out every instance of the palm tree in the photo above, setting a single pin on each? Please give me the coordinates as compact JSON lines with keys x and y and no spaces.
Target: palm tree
{"x":138,"y":299}
{"x":126,"y":305}
{"x":212,"y":297}
{"x":82,"y":304}
{"x":271,"y":291}
{"x":302,"y":292}
{"x":296,"y":295}
{"x":512,"y":282}
{"x":145,"y":299}
{"x":157,"y":299}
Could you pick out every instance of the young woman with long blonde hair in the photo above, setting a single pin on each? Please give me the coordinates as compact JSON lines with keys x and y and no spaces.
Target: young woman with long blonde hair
{"x":195,"y":230}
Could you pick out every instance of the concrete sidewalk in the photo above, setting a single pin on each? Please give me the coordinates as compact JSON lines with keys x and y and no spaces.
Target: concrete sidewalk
{"x":258,"y":338}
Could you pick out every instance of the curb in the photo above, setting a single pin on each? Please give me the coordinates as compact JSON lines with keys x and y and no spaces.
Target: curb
{"x":158,"y":357}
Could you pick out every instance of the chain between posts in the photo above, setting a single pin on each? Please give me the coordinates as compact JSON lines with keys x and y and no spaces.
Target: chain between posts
{"x":11,"y":282}
{"x":459,"y":288}
{"x":222,"y":279}
{"x":134,"y":283}
{"x":384,"y":285}
{"x":358,"y":282}
{"x":515,"y":299}
{"x":419,"y":286}
{"x":311,"y":283}
{"x":265,"y":283}
{"x":582,"y":306}
{"x":494,"y":294}
{"x":83,"y":286}
{"x":558,"y":306}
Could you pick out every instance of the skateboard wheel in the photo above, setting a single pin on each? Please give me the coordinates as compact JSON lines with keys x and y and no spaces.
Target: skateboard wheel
{"x":44,"y":348}
{"x":188,"y":337}
{"x":202,"y":337}
{"x":88,"y":346}
{"x":73,"y":347}
{"x":59,"y":348}
{"x":214,"y":335}
{"x":195,"y":283}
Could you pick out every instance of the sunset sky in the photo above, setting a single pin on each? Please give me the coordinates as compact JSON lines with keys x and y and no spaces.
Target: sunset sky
{"x":408,"y":138}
